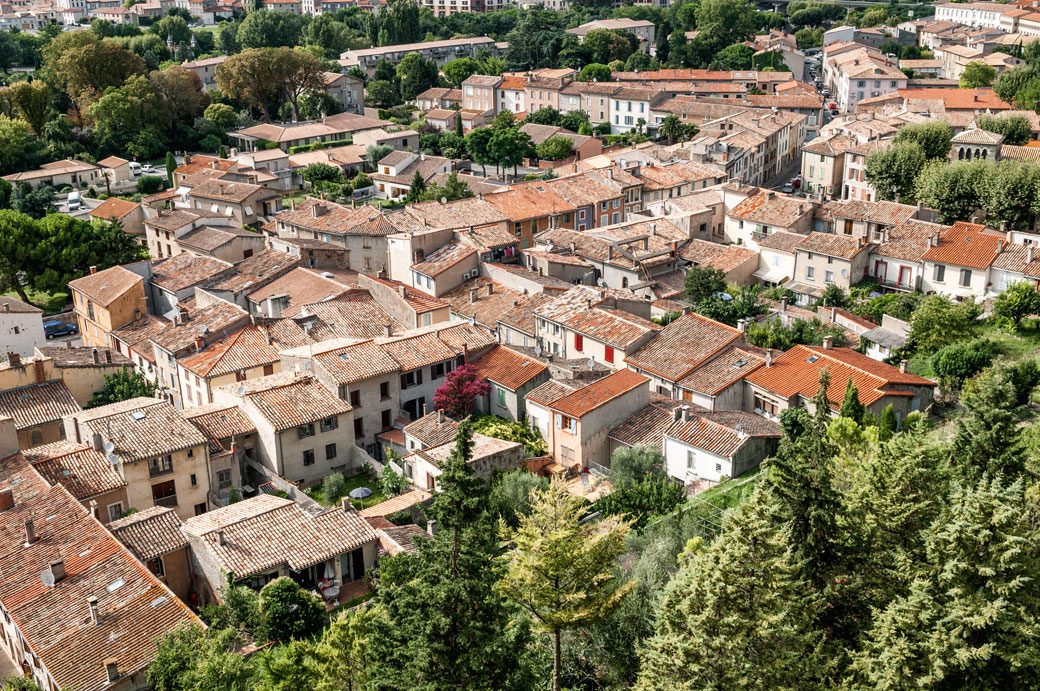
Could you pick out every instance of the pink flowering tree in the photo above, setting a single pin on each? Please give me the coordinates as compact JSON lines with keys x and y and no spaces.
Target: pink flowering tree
{"x":459,"y":392}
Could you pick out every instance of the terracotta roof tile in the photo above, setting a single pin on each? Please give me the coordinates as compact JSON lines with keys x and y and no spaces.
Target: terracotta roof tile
{"x":219,"y":422}
{"x":908,"y":241}
{"x":683,"y":345}
{"x":432,"y":429}
{"x":288,"y":399}
{"x":723,"y":371}
{"x":302,"y":287}
{"x":104,"y":287}
{"x":553,"y":390}
{"x":242,"y":350}
{"x":646,"y":426}
{"x":797,"y":372}
{"x":84,"y":472}
{"x":772,"y":209}
{"x":399,"y":503}
{"x":83,"y":356}
{"x":31,"y":406}
{"x":722,"y":433}
{"x":356,"y":315}
{"x":141,"y":428}
{"x":508,"y":368}
{"x":964,"y":244}
{"x":599,"y":393}
{"x":150,"y":533}
{"x":214,"y":318}
{"x":723,"y":257}
{"x":444,"y":258}
{"x":266,"y":531}
{"x":781,"y":240}
{"x":186,"y":269}
{"x":839,"y":246}
{"x":614,"y":327}
{"x":114,"y":208}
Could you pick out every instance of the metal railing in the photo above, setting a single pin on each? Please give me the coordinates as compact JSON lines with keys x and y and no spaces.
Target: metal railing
{"x":159,"y":470}
{"x":165,"y":502}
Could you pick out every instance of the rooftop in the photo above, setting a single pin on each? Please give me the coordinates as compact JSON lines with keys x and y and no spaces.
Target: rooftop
{"x":185,"y":270}
{"x":244,"y":349}
{"x":106,"y":286}
{"x":141,"y":428}
{"x":966,"y":244}
{"x":508,"y":368}
{"x":289,"y":399}
{"x":683,"y":345}
{"x":646,"y":426}
{"x":151,"y":533}
{"x":32,"y":406}
{"x":722,"y":433}
{"x":599,"y":393}
{"x":84,"y":472}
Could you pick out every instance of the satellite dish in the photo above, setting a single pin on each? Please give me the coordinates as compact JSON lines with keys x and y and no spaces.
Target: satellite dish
{"x":538,"y":350}
{"x":113,"y":458}
{"x":592,"y":363}
{"x":241,"y":391}
{"x":203,"y":328}
{"x":109,"y":447}
{"x":444,"y":200}
{"x":47,"y":578}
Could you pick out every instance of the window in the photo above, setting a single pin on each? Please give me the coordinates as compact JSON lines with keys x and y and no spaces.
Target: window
{"x":718,"y":467}
{"x":156,"y":567}
{"x":828,"y":276}
{"x":200,"y":509}
{"x":384,"y":390}
{"x":502,"y":397}
{"x":329,"y":424}
{"x":690,"y":459}
{"x":579,"y":342}
{"x":965,"y":277}
{"x":308,"y":457}
{"x":765,"y":405}
{"x":437,"y":371}
{"x":608,"y":354}
{"x":939,"y":274}
{"x":330,"y":451}
{"x":194,"y":480}
{"x":191,"y":453}
{"x":223,"y":479}
{"x":410,"y":379}
{"x":115,"y":511}
{"x":384,"y":419}
{"x":268,"y":370}
{"x":359,"y":427}
{"x":160,"y":466}
{"x":810,"y":272}
{"x":355,"y":399}
{"x":306,"y":430}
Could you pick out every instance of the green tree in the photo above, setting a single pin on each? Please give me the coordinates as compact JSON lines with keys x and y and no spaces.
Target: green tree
{"x":672,"y":128}
{"x":893,"y":171}
{"x":383,"y":93}
{"x":289,"y":667}
{"x":851,"y":407}
{"x":417,"y":188}
{"x":1015,"y":128}
{"x":834,"y":296}
{"x":939,"y":321}
{"x":478,"y":145}
{"x":330,"y":36}
{"x":594,"y":72}
{"x":442,"y":623}
{"x":509,"y":147}
{"x":84,"y":66}
{"x":933,"y":137}
{"x":952,"y":189}
{"x":322,"y":172}
{"x":735,"y":57}
{"x":17,"y":145}
{"x":977,"y":75}
{"x":1016,"y":85}
{"x":459,"y":70}
{"x":342,"y":665}
{"x":417,"y":74}
{"x":1019,"y":301}
{"x":630,"y":465}
{"x":221,"y":114}
{"x":190,"y":657}
{"x":968,"y":619}
{"x":724,"y":22}
{"x":1007,"y":191}
{"x":555,"y":148}
{"x":889,"y":423}
{"x":988,"y":438}
{"x":737,"y":615}
{"x":559,"y":569}
{"x":290,"y":611}
{"x":703,"y":282}
{"x":546,"y":115}
{"x":171,"y":28}
{"x":122,"y":386}
{"x":35,"y":203}
{"x":129,"y":119}
{"x":267,"y":29}
{"x":171,"y":165}
{"x":511,"y":494}
{"x":957,"y":362}
{"x":33,"y":103}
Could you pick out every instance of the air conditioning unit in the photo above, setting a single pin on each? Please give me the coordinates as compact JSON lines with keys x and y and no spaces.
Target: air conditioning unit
{"x":875,"y":93}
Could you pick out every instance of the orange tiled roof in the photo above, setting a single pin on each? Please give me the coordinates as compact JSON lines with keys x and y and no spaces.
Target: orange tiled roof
{"x":84,"y":472}
{"x":398,"y":503}
{"x":244,"y":349}
{"x":964,"y":244}
{"x":288,"y":399}
{"x":722,"y":372}
{"x":683,"y":345}
{"x":722,"y":433}
{"x":31,"y":406}
{"x":797,"y":372}
{"x":113,"y":207}
{"x":646,"y":426}
{"x":599,"y":393}
{"x":508,"y":368}
{"x":150,"y":533}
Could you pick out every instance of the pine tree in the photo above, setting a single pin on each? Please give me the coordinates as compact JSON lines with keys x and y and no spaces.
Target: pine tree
{"x":171,"y":165}
{"x":889,"y":423}
{"x":560,"y":569}
{"x":969,"y":619}
{"x":737,"y":615}
{"x":443,"y":623}
{"x":851,"y":406}
{"x":418,"y":187}
{"x":988,"y":438}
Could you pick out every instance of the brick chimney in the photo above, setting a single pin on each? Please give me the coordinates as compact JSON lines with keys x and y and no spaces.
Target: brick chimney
{"x":58,"y":570}
{"x":92,"y":604}
{"x":39,"y":371}
{"x":93,"y":269}
{"x":6,"y":499}
{"x":112,"y":669}
{"x":30,"y":531}
{"x":14,"y":358}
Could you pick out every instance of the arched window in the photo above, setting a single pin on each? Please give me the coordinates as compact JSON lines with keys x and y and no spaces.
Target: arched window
{"x":624,"y":282}
{"x":985,"y":153}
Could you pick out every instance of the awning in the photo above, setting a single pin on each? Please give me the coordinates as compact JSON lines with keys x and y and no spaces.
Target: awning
{"x":804,"y":289}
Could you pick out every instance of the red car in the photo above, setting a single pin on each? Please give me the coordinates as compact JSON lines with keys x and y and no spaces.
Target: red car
{"x":833,"y":106}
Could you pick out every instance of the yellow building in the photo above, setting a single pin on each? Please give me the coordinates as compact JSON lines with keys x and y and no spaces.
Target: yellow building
{"x":106,"y":300}
{"x":244,"y":355}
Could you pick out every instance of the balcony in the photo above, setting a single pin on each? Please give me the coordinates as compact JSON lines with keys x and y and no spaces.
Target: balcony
{"x":159,"y":470}
{"x":165,"y":502}
{"x":895,"y":284}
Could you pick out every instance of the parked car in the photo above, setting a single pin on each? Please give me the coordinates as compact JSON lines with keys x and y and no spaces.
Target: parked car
{"x":135,"y":168}
{"x":148,"y":169}
{"x":53,"y":329}
{"x":788,"y":188}
{"x":74,"y":201}
{"x":833,"y":106}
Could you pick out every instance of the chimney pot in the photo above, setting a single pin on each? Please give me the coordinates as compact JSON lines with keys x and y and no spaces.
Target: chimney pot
{"x":676,"y":414}
{"x":400,"y":290}
{"x":14,"y":358}
{"x":30,"y":531}
{"x":58,"y":570}
{"x":347,"y":506}
{"x":92,"y":603}
{"x":828,"y":342}
{"x":742,"y":325}
{"x":220,"y":536}
{"x":769,"y":358}
{"x":783,"y":304}
{"x":93,"y":269}
{"x":6,"y":499}
{"x":902,"y":366}
{"x":1029,"y":254}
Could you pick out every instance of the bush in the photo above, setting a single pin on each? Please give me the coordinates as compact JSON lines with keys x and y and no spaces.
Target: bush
{"x":149,"y":184}
{"x":392,"y":483}
{"x":630,"y":466}
{"x":333,"y":487}
{"x":649,"y":497}
{"x":289,"y":611}
{"x":518,"y":431}
{"x":955,"y":363}
{"x":511,"y":494}
{"x":1024,"y":376}
{"x":1019,"y":301}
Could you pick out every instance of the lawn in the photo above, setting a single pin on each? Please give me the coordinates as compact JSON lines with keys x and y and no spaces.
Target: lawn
{"x":317,"y":492}
{"x":50,"y":303}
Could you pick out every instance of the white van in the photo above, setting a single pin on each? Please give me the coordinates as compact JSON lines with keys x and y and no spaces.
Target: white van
{"x":135,"y":168}
{"x":74,"y":200}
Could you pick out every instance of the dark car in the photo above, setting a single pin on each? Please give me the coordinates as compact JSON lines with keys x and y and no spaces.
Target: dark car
{"x":53,"y":329}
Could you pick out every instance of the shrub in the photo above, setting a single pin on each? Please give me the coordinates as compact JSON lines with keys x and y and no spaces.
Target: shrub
{"x":957,"y":362}
{"x":149,"y":184}
{"x":333,"y":487}
{"x":392,"y":483}
{"x":289,"y":611}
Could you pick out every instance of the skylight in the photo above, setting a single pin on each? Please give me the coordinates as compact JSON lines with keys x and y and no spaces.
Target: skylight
{"x":812,"y":358}
{"x":115,"y":585}
{"x":138,"y":415}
